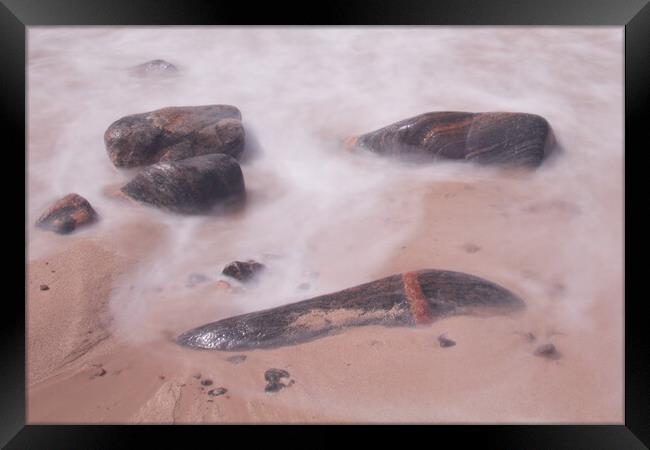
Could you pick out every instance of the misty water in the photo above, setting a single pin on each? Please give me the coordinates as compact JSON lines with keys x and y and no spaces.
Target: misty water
{"x":315,"y":213}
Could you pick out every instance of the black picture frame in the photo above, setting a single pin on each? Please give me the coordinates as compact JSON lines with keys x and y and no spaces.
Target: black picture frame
{"x":634,"y":15}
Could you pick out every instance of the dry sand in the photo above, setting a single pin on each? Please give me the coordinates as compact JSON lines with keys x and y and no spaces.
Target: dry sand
{"x":79,"y":373}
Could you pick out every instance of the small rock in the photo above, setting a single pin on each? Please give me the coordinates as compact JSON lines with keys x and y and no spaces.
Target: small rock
{"x":445,"y":342}
{"x":206,"y":382}
{"x":99,"y":372}
{"x":243,"y":271}
{"x":44,"y":287}
{"x":195,"y":278}
{"x":236,"y":359}
{"x":217,"y":392}
{"x":162,"y":377}
{"x":273,"y":377}
{"x":68,"y":213}
{"x":155,"y":67}
{"x":547,"y":351}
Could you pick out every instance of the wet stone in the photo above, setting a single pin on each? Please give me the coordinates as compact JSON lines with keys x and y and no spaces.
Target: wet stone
{"x":190,"y":186}
{"x":175,"y":133}
{"x":67,"y":214}
{"x":273,"y":377}
{"x":243,"y":270}
{"x":504,"y":138}
{"x":206,"y":382}
{"x":445,"y":342}
{"x":44,"y":287}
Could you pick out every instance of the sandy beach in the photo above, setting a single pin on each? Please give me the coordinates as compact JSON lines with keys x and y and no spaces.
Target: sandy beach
{"x":100,"y":337}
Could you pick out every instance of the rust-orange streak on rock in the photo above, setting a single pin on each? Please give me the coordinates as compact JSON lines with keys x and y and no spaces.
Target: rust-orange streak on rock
{"x":417,"y":302}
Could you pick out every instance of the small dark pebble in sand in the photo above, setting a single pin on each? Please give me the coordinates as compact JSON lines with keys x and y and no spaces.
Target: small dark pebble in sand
{"x":162,"y":377}
{"x":206,"y":382}
{"x":236,"y":359}
{"x":217,"y":392}
{"x":44,"y":287}
{"x":273,"y":377}
{"x":547,"y":351}
{"x":445,"y":342}
{"x":98,"y":373}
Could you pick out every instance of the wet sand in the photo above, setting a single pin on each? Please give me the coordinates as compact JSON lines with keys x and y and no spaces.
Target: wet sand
{"x":371,"y":374}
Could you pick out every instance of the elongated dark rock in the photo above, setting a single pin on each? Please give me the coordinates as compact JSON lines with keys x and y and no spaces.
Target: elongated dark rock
{"x":193,"y":185}
{"x":515,"y":139}
{"x":66,"y":214}
{"x":408,"y":299}
{"x":174,"y":133}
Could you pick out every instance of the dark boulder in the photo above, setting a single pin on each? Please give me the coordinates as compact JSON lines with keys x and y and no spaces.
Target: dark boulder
{"x":67,"y":214}
{"x":514,"y":139}
{"x":243,"y":270}
{"x":193,"y":185}
{"x":174,"y":133}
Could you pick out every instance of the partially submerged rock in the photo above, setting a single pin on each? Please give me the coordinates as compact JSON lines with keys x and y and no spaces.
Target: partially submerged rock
{"x":243,"y":270}
{"x":408,"y":299}
{"x":155,"y":67}
{"x":174,"y":133}
{"x":67,"y":214}
{"x":515,"y":139}
{"x":192,"y":185}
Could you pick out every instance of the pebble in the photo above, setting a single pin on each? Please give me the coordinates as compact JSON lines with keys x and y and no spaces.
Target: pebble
{"x":206,"y":382}
{"x":273,"y":377}
{"x":445,"y":342}
{"x":547,"y":351}
{"x":44,"y":287}
{"x":217,"y":392}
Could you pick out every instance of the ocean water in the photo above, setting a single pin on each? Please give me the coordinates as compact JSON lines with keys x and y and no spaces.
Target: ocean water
{"x":315,"y":213}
